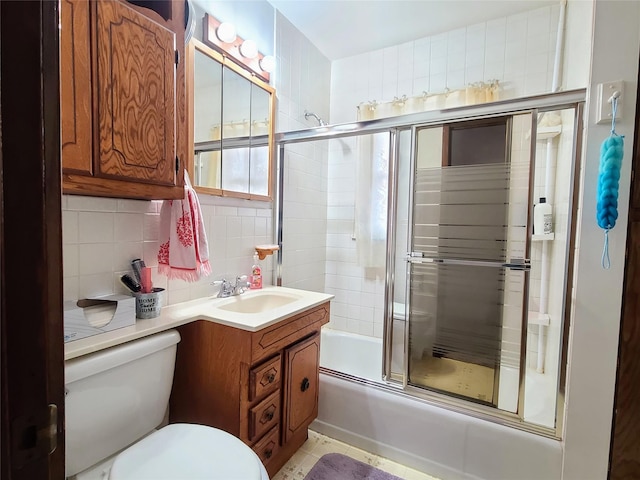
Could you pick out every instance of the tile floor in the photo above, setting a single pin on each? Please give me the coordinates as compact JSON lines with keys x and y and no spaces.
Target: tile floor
{"x":317,"y":445}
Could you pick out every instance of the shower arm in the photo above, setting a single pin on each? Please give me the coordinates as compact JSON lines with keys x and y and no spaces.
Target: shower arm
{"x":308,"y":114}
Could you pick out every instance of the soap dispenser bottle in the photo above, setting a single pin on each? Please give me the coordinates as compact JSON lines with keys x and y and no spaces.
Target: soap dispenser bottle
{"x":256,"y":273}
{"x":542,"y":217}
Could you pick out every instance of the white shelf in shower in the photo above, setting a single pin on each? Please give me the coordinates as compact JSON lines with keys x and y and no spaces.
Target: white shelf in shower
{"x":537,"y":318}
{"x":544,"y":133}
{"x":542,"y":237}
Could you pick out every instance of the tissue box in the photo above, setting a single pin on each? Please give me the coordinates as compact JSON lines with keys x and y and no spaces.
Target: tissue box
{"x":91,"y":316}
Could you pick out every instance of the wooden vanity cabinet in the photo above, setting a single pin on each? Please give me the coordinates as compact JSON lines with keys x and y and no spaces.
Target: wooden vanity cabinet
{"x":123,"y":98}
{"x":259,"y":386}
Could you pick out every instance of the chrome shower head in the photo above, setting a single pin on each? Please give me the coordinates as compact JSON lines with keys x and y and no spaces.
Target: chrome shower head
{"x":308,"y":114}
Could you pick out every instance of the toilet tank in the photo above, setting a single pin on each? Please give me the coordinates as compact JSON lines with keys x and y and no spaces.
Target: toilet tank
{"x":115,"y":397}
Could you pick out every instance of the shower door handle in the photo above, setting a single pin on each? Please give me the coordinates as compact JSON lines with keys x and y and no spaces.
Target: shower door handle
{"x":523,"y":264}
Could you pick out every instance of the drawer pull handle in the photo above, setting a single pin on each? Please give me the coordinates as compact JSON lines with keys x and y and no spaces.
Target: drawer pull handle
{"x":268,"y":453}
{"x":268,"y":416}
{"x":305,"y":384}
{"x":271,"y":377}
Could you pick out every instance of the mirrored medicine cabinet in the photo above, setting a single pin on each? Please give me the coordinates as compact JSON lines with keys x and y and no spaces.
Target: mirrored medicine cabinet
{"x":231,"y":126}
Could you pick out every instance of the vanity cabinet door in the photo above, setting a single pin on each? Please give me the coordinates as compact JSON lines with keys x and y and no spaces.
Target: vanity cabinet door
{"x":302,"y":362}
{"x":136,"y":96}
{"x":75,"y":86}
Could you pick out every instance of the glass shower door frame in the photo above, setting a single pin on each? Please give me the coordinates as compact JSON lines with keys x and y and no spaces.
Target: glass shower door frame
{"x":564,"y":100}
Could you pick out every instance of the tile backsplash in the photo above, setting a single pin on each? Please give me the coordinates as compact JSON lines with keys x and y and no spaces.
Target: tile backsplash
{"x":102,"y":235}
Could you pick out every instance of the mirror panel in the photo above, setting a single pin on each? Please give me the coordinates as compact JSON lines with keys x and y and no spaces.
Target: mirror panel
{"x":235,"y":169}
{"x":260,"y":101}
{"x":231,"y":127}
{"x":208,"y":166}
{"x":236,"y":105}
{"x":259,"y":178}
{"x":259,"y":160}
{"x":207,"y":86}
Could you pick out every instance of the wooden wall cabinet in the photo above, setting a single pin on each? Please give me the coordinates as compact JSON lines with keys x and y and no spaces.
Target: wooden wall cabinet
{"x":260,"y":386}
{"x":123,"y":98}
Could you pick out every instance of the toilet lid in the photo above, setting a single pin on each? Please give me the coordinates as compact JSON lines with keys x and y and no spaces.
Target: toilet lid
{"x":186,"y":451}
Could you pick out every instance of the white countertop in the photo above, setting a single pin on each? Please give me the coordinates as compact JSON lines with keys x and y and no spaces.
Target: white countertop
{"x":212,"y":309}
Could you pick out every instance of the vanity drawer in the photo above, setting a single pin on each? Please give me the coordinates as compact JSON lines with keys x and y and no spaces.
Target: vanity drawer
{"x":265,"y":378}
{"x":264,"y":415}
{"x":268,"y":446}
{"x":271,"y":340}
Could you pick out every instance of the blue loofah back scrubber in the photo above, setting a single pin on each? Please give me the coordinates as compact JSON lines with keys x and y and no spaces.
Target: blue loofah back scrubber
{"x":611,"y":154}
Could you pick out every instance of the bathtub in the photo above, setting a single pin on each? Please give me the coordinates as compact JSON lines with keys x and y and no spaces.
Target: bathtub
{"x":414,"y":432}
{"x":351,"y":354}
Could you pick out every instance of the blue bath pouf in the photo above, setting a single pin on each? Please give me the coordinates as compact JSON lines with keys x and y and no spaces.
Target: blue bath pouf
{"x":611,"y":154}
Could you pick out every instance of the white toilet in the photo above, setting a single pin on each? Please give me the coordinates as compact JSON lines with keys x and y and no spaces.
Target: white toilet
{"x":114,"y":401}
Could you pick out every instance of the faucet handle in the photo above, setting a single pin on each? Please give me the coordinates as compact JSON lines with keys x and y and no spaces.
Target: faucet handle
{"x":241,"y":284}
{"x":225,"y":287}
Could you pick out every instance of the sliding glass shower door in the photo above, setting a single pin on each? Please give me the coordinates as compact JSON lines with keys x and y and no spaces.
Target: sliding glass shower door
{"x":468,"y":260}
{"x":471,"y":303}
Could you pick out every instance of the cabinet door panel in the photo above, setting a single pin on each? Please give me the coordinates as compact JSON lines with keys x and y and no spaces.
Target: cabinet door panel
{"x":75,"y":86}
{"x":136,"y":96}
{"x":301,"y":388}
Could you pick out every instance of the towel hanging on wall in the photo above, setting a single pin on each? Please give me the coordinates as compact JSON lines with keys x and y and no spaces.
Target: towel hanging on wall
{"x":184,"y":252}
{"x":611,"y":153}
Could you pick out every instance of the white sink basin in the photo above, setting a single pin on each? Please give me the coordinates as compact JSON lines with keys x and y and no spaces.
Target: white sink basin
{"x":258,"y":302}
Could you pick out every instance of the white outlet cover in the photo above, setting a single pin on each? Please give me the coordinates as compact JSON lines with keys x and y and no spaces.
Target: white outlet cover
{"x":605,"y":91}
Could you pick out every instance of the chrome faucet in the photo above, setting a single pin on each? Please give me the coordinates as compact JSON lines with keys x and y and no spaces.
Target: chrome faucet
{"x":227,"y":289}
{"x":241,"y":285}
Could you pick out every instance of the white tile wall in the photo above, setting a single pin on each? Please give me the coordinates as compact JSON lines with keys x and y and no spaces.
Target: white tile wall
{"x":358,"y":306}
{"x":305,"y":216}
{"x":302,"y":78}
{"x":302,"y":83}
{"x":102,"y":235}
{"x":517,"y":50}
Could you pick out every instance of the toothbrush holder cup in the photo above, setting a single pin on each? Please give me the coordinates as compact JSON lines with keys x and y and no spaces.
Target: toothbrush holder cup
{"x":148,"y":305}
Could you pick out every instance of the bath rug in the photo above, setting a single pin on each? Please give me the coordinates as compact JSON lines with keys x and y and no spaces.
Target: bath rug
{"x":335,"y":466}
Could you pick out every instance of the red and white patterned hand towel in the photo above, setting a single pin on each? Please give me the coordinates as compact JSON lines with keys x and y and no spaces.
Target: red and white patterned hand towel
{"x":184,"y":252}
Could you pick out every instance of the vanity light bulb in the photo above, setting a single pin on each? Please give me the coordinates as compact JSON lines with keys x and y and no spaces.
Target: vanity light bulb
{"x":268,"y":63}
{"x":226,"y":32}
{"x":249,"y":49}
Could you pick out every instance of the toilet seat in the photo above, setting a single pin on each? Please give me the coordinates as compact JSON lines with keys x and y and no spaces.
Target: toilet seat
{"x":186,"y":451}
